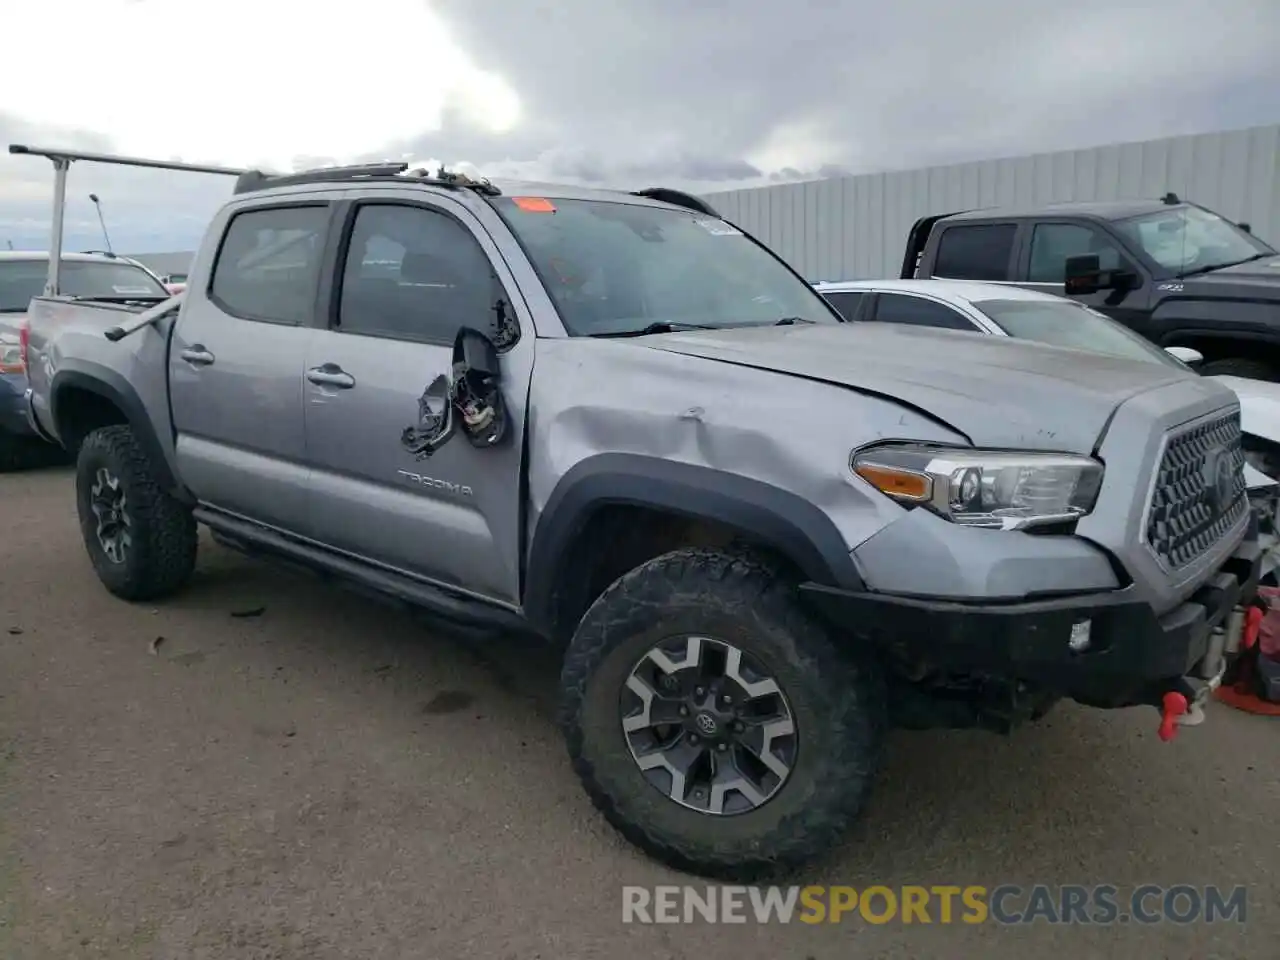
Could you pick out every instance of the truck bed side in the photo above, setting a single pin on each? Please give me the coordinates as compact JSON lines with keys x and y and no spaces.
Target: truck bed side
{"x":80,"y":380}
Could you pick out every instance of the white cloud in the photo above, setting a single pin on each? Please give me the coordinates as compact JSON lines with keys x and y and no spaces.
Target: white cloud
{"x":244,"y":82}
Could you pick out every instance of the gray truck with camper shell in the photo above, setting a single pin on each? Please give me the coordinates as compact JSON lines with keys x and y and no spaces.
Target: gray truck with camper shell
{"x":614,"y":421}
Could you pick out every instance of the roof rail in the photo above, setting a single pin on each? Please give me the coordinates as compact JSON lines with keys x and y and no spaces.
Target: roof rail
{"x":253,"y":180}
{"x":678,"y":198}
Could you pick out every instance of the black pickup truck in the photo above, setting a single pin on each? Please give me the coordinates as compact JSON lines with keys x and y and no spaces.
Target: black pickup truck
{"x":1174,"y":272}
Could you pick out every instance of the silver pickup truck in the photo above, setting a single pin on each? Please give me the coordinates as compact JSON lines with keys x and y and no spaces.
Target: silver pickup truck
{"x":617,"y":422}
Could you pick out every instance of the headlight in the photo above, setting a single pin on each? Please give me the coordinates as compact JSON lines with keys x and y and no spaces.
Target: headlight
{"x":984,"y":488}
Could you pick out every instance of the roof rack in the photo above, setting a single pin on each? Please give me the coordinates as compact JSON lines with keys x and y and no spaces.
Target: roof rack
{"x":253,"y":180}
{"x":678,"y":198}
{"x":62,"y":160}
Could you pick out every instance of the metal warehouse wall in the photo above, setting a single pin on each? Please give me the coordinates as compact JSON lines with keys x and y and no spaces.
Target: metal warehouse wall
{"x":855,"y":228}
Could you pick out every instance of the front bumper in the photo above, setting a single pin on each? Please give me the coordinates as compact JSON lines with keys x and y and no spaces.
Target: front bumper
{"x":33,"y":422}
{"x":1133,"y":657}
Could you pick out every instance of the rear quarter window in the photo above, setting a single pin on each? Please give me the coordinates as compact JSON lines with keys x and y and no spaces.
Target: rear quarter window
{"x":847,"y":302}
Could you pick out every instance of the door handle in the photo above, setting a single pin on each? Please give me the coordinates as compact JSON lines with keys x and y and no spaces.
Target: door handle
{"x":197,"y":355}
{"x":331,"y":375}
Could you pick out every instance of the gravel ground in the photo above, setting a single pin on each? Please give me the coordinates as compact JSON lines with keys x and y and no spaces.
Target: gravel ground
{"x":329,"y":778}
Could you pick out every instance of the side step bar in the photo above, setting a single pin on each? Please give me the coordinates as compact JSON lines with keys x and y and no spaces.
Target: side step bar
{"x":251,"y":538}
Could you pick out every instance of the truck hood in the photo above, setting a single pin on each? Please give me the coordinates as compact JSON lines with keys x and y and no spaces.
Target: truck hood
{"x":1258,"y":279}
{"x":997,"y":391}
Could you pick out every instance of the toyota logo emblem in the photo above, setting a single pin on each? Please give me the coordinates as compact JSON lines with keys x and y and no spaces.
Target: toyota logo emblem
{"x":1219,"y":475}
{"x":706,"y":723}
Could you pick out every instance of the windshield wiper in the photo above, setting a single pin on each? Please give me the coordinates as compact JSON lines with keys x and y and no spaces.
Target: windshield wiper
{"x":661,"y":326}
{"x":1223,"y":266}
{"x":791,"y":321}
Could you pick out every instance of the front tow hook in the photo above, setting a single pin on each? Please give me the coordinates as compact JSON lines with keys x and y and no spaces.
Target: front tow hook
{"x":1173,"y":706}
{"x":1182,"y":705}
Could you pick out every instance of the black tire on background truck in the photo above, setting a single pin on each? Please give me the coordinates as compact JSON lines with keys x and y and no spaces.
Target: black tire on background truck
{"x":742,"y":685}
{"x":142,"y":541}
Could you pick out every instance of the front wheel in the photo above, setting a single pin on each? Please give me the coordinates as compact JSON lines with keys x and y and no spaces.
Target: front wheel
{"x":141,"y":541}
{"x":713,"y":722}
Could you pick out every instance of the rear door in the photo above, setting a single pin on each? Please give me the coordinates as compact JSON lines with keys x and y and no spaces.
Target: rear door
{"x":413,"y":267}
{"x":236,"y":364}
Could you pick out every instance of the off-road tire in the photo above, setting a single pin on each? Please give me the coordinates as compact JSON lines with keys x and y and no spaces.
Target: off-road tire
{"x":162,"y":554}
{"x":837,"y":699}
{"x":1239,"y":367}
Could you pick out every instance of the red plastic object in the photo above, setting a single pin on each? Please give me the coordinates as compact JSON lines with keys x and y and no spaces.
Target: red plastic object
{"x":1173,"y":705}
{"x":1252,"y":628}
{"x":1268,"y":632}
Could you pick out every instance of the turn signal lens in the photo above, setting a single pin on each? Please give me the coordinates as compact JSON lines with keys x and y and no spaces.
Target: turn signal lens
{"x":899,"y":484}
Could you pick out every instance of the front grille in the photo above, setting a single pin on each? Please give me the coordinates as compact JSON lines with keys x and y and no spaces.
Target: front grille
{"x":1187,"y":518}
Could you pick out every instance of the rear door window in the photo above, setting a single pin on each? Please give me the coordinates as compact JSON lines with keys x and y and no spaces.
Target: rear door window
{"x":975,"y":252}
{"x":269,"y":264}
{"x":919,"y":312}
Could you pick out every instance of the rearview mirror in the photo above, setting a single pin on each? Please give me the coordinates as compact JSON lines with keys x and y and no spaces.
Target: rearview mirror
{"x":1084,"y":275}
{"x":1192,"y":358}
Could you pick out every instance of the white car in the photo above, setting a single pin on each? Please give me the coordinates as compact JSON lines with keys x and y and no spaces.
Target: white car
{"x":1005,"y":310}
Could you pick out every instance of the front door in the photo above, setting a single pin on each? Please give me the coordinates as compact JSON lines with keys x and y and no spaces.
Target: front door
{"x":236,"y":364}
{"x":412,"y":274}
{"x":1053,"y":242}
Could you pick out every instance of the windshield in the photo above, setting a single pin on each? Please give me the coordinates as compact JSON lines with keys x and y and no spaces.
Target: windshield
{"x":1183,"y":239}
{"x":621,"y":267}
{"x":20,"y":280}
{"x":1070,"y":324}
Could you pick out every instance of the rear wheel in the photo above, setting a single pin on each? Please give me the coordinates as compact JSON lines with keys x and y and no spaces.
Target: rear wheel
{"x":141,"y":541}
{"x":713,"y":722}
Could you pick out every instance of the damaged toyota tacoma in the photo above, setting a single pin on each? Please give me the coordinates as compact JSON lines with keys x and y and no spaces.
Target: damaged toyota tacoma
{"x":616,"y":422}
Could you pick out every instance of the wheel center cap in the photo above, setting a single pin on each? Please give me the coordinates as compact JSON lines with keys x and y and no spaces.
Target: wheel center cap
{"x":707,"y":724}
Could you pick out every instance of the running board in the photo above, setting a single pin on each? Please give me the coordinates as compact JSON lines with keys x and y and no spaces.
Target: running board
{"x":251,"y":538}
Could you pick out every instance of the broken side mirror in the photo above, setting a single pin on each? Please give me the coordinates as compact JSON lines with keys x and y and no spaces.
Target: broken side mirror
{"x":471,"y":398}
{"x":477,"y":389}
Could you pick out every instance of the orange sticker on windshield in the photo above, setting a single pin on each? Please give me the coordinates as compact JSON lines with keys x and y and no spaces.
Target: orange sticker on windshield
{"x":534,"y":204}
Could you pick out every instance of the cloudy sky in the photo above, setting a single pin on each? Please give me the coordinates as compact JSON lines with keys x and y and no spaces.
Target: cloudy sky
{"x":702,"y":94}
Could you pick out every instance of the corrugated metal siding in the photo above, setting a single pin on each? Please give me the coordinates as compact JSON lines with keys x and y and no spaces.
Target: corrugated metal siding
{"x":855,"y":228}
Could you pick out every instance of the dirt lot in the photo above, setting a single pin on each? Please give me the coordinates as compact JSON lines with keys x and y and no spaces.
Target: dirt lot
{"x":329,"y":779}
